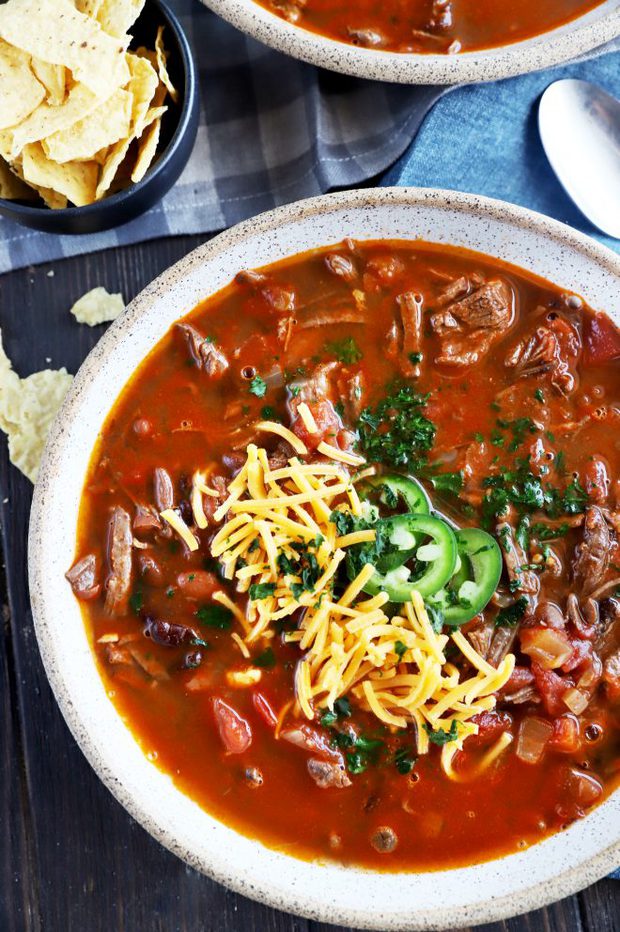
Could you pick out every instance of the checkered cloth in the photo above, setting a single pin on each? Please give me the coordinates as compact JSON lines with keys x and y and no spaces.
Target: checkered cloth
{"x":272,"y":130}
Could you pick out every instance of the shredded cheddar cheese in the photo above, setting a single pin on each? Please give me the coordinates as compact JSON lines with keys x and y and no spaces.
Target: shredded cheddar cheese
{"x":280,"y":547}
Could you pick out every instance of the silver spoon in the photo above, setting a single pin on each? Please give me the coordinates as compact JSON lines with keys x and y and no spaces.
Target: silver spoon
{"x":579,"y":125}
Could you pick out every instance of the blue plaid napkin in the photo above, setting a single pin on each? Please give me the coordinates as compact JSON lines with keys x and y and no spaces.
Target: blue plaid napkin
{"x":484,"y":139}
{"x":272,"y":130}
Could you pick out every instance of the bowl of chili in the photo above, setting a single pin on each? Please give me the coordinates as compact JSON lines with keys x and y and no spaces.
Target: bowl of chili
{"x":453,"y":508}
{"x":440,"y":42}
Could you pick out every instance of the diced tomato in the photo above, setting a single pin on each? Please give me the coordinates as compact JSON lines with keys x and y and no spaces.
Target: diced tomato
{"x":581,"y":651}
{"x":490,"y":727}
{"x":264,"y":710}
{"x":601,"y":339}
{"x":551,"y":688}
{"x":235,"y":732}
{"x":198,"y":584}
{"x":327,"y":422}
{"x":566,"y":736}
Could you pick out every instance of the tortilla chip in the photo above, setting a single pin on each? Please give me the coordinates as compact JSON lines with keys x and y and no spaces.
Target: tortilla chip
{"x":88,"y":7}
{"x":27,"y":409}
{"x":142,"y":86}
{"x":56,"y":32}
{"x":77,"y":181}
{"x":97,"y":307}
{"x":21,"y":92}
{"x":50,"y":198}
{"x":148,"y":145}
{"x":118,"y":16}
{"x":13,"y":188}
{"x":54,"y":80}
{"x":84,"y":139}
{"x":162,"y":57}
{"x":47,"y":120}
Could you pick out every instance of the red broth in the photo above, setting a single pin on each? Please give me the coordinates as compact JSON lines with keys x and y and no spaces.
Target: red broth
{"x":489,"y":413}
{"x":431,"y":26}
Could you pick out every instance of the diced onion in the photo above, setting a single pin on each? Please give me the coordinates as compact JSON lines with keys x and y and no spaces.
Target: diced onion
{"x":575,"y":700}
{"x":547,"y":646}
{"x":534,"y":733}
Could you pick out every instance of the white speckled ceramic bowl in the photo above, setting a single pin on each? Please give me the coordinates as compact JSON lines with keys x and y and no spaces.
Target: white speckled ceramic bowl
{"x":547,"y":871}
{"x":558,"y":45}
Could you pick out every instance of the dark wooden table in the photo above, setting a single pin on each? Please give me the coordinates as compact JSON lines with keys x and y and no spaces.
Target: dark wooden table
{"x":71,"y":859}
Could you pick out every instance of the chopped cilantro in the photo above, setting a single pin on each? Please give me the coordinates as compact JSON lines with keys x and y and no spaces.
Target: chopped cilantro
{"x":544,"y":532}
{"x":448,"y":482}
{"x":356,"y":762}
{"x":328,"y":718}
{"x":539,"y":395}
{"x":258,"y":386}
{"x":441,"y":737}
{"x":511,"y":615}
{"x":404,"y":760}
{"x":396,"y":432}
{"x":342,"y":707}
{"x":261,"y":591}
{"x":416,"y":358}
{"x":435,"y":616}
{"x":136,"y":601}
{"x":266,"y":659}
{"x":198,"y":642}
{"x":215,"y":616}
{"x":346,"y":351}
{"x":478,"y":437}
{"x":170,"y":593}
{"x":400,"y":648}
{"x":294,"y":390}
{"x":267,"y":413}
{"x":339,"y":408}
{"x":560,"y":462}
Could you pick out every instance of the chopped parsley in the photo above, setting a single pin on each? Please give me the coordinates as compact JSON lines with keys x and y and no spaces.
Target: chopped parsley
{"x":215,"y":616}
{"x":396,"y":432}
{"x":346,"y":351}
{"x":258,"y":386}
{"x":416,"y":358}
{"x":539,"y":395}
{"x":261,"y":591}
{"x":521,"y":488}
{"x":436,"y":618}
{"x":441,"y":737}
{"x":511,"y":615}
{"x":268,"y":413}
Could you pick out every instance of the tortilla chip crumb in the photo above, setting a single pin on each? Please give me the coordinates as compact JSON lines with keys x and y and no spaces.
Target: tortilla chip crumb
{"x":27,"y":408}
{"x":97,"y":307}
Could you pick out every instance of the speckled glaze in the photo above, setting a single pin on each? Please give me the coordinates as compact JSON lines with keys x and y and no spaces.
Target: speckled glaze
{"x":328,"y":892}
{"x":558,"y":45}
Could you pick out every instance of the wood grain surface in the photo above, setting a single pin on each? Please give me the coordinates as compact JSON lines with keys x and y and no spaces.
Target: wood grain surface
{"x":71,"y":859}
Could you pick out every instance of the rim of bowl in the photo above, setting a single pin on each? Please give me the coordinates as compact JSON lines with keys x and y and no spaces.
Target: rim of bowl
{"x":558,"y":45}
{"x":15,"y":209}
{"x":531,"y":895}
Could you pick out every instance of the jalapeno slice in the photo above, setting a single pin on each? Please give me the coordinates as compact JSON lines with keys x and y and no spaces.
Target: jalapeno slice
{"x":426,"y":550}
{"x":391,"y":491}
{"x":469,"y":590}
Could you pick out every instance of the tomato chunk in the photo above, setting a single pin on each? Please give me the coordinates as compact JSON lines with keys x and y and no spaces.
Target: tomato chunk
{"x":235,"y":732}
{"x":327,"y":422}
{"x":264,"y":709}
{"x":602,"y":340}
{"x":566,"y":737}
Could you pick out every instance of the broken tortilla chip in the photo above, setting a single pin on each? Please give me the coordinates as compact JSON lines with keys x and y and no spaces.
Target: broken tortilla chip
{"x":97,"y":307}
{"x":162,"y":58}
{"x":47,"y":120}
{"x":142,"y":86}
{"x":27,"y":409}
{"x":55,"y":31}
{"x":118,"y":16}
{"x":148,"y":144}
{"x":21,"y":92}
{"x":77,"y":181}
{"x":54,"y":80}
{"x":13,"y":188}
{"x":102,"y":127}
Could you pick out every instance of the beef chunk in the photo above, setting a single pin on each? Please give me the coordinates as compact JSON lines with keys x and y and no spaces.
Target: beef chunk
{"x":206,"y":354}
{"x":592,"y":554}
{"x":468,"y":327}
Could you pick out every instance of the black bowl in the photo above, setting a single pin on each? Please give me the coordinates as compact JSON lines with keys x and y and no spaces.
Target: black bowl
{"x":178,"y":133}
